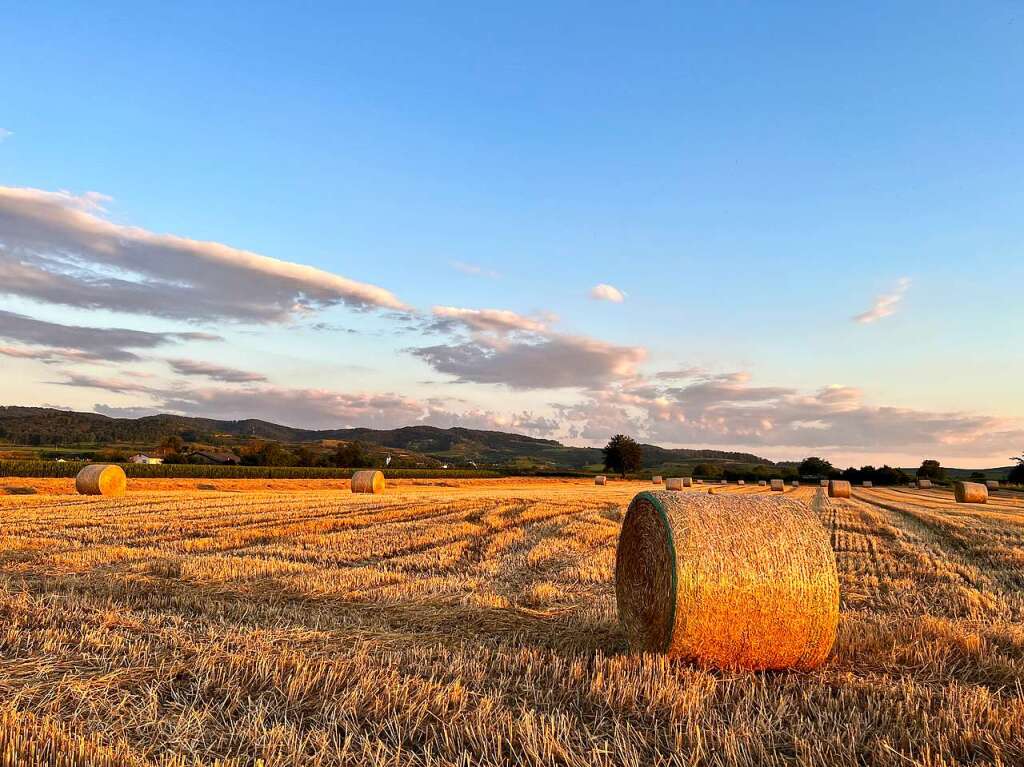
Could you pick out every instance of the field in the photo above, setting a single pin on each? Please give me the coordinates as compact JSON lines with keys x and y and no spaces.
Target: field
{"x":474,"y":622}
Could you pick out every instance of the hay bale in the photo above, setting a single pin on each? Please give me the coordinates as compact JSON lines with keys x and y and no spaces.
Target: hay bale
{"x":20,"y":490}
{"x":762,"y":482}
{"x":795,"y":483}
{"x":778,"y":486}
{"x":656,"y":479}
{"x":206,"y":486}
{"x":839,"y":488}
{"x":970,"y":492}
{"x":867,"y":483}
{"x":992,"y":484}
{"x":101,"y":479}
{"x":369,"y":481}
{"x":600,"y":479}
{"x":687,"y":481}
{"x":924,"y":483}
{"x":740,"y":482}
{"x":727,"y":581}
{"x":823,"y":483}
{"x":674,"y":483}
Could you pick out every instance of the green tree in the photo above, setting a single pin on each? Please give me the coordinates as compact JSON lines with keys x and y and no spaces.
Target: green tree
{"x":623,"y":454}
{"x":351,"y":455}
{"x":1017,"y":472}
{"x":931,"y":469}
{"x":816,"y":467}
{"x":267,"y":454}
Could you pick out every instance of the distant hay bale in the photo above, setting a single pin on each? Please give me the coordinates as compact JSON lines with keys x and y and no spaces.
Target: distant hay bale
{"x":839,"y":488}
{"x":992,"y":484}
{"x":687,"y":481}
{"x":699,"y":481}
{"x":762,"y":482}
{"x":368,"y":482}
{"x":867,"y":483}
{"x":674,"y":483}
{"x":924,"y":483}
{"x":795,"y":483}
{"x":778,"y":485}
{"x":101,"y":479}
{"x":727,"y":581}
{"x":20,"y":490}
{"x":740,"y":482}
{"x":656,"y":479}
{"x":206,"y":486}
{"x":824,"y":483}
{"x":970,"y":492}
{"x":600,"y":479}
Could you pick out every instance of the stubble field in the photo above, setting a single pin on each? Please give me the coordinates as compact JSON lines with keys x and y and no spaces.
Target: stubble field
{"x":474,"y":623}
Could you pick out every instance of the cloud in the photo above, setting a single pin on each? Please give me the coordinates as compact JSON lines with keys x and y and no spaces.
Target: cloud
{"x":58,"y":249}
{"x":214,"y":372}
{"x":485,"y":320}
{"x":5,"y":134}
{"x":885,"y":304}
{"x":473,"y":269}
{"x":115,"y":385}
{"x":86,"y":343}
{"x":603,"y":292}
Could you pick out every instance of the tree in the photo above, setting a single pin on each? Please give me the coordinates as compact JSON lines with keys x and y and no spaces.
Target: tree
{"x":707,"y":471}
{"x":267,"y":454}
{"x":622,"y":454}
{"x":1016,"y":475}
{"x":977,"y":475}
{"x":931,"y":469}
{"x":816,"y":467}
{"x":351,"y":455}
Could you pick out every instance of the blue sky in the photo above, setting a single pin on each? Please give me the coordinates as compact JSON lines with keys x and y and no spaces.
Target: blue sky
{"x":750,"y":177}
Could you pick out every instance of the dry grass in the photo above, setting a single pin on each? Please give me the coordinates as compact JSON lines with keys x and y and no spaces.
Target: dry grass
{"x":476,"y":625}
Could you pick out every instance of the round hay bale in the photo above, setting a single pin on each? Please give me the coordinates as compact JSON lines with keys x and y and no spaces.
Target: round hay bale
{"x":795,"y":483}
{"x":778,"y":486}
{"x":656,"y":479}
{"x":762,"y":482}
{"x":600,"y":480}
{"x":368,"y":482}
{"x":970,"y":492}
{"x":206,"y":486}
{"x":867,"y":483}
{"x":101,"y":479}
{"x":839,"y":488}
{"x":687,"y":481}
{"x":728,"y":581}
{"x":992,"y":484}
{"x":924,"y":483}
{"x":741,"y":482}
{"x":674,"y":483}
{"x":824,"y":483}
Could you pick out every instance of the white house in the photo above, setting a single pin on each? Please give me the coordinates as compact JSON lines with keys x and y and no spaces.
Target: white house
{"x":140,"y":458}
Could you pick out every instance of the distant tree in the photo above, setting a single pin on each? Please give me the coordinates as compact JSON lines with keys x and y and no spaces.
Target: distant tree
{"x":708,"y":471}
{"x":267,"y":454}
{"x":304,"y":456}
{"x":931,"y":469}
{"x":351,"y":455}
{"x":887,"y":475}
{"x":1017,"y":472}
{"x":816,"y":467}
{"x":977,"y":475}
{"x":623,"y":454}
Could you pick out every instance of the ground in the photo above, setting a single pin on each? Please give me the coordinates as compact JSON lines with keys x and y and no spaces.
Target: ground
{"x":474,"y":622}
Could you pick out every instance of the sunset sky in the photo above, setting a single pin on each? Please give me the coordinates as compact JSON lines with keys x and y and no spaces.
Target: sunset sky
{"x":789,"y":230}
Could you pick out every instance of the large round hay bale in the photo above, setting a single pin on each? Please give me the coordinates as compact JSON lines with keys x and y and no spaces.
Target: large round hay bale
{"x":778,"y":486}
{"x":839,"y":488}
{"x":729,"y":581}
{"x":368,"y":482}
{"x":924,"y":483}
{"x":600,"y":479}
{"x":101,"y":479}
{"x":970,"y":492}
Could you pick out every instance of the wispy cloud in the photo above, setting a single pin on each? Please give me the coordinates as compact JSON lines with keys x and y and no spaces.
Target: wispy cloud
{"x":5,"y":134}
{"x":473,"y":269}
{"x":57,"y":248}
{"x":604,"y":292}
{"x":885,"y":304}
{"x":215,"y":372}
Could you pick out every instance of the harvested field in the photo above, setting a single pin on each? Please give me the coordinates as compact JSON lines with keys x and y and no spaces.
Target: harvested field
{"x":476,"y":624}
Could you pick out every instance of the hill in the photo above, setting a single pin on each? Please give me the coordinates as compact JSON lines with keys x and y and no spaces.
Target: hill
{"x":49,"y":427}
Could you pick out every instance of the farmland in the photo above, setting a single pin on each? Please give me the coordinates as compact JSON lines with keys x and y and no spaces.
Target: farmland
{"x":474,"y":622}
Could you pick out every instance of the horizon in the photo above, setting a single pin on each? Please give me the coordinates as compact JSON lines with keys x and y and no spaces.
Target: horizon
{"x":785,"y":232}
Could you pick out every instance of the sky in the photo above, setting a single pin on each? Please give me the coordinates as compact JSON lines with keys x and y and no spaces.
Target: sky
{"x":792,"y":228}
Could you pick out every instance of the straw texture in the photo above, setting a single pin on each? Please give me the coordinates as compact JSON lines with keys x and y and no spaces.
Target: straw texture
{"x":600,"y":480}
{"x":368,"y":482}
{"x":101,"y":479}
{"x":727,"y":581}
{"x":970,"y":492}
{"x":778,"y":485}
{"x":838,"y":488}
